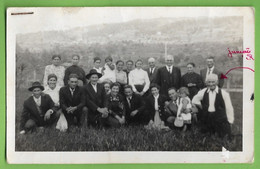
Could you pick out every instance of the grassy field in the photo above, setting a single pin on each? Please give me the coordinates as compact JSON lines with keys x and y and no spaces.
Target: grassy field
{"x":133,"y":138}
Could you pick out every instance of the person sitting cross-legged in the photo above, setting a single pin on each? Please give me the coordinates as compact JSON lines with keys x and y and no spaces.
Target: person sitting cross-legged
{"x":38,"y":110}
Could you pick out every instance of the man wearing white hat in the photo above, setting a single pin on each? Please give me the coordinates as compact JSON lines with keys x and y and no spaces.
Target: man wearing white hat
{"x":217,"y":113}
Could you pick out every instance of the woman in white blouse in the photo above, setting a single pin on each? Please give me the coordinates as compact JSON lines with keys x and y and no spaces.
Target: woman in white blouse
{"x":138,"y":79}
{"x":53,"y":90}
{"x":56,"y":69}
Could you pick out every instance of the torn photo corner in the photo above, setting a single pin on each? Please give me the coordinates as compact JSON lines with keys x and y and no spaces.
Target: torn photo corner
{"x":46,"y":39}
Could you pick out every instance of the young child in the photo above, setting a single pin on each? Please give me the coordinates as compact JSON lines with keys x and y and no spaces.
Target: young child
{"x":184,"y":103}
{"x":108,"y":71}
{"x":107,"y":88}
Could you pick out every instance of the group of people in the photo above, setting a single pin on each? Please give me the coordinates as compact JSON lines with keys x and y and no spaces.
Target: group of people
{"x":111,"y":96}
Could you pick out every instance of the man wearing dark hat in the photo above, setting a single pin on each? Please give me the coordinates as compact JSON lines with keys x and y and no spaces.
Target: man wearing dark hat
{"x":95,"y":93}
{"x":72,"y":101}
{"x":38,"y":110}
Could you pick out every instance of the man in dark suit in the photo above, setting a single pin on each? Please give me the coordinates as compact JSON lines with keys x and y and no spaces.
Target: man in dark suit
{"x":38,"y":110}
{"x":168,"y":76}
{"x":152,"y":70}
{"x":96,"y":95}
{"x":211,"y":70}
{"x":134,"y":106}
{"x":72,"y":101}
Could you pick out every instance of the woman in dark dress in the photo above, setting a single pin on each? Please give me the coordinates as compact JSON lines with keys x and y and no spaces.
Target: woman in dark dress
{"x":115,"y":106}
{"x":192,"y":80}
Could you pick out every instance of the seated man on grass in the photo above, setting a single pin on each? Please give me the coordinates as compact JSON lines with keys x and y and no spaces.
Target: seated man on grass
{"x":38,"y":110}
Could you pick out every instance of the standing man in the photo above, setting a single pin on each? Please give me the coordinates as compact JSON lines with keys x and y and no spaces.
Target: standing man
{"x":204,"y":73}
{"x":129,"y":68}
{"x":152,"y":70}
{"x":38,"y":110}
{"x":72,"y":101}
{"x":96,"y":95}
{"x":168,"y":76}
{"x":75,"y":69}
{"x":135,"y":107}
{"x":217,"y":113}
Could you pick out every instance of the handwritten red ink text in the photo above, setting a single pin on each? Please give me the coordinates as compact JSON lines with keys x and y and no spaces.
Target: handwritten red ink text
{"x":249,"y":56}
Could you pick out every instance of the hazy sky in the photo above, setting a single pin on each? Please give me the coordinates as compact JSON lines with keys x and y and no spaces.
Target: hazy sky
{"x":66,"y":18}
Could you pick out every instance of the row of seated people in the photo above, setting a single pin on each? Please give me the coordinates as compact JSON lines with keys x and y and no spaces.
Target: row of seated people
{"x":71,"y":103}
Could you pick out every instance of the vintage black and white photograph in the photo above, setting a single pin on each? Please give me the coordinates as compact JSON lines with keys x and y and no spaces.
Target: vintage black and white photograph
{"x":130,"y":84}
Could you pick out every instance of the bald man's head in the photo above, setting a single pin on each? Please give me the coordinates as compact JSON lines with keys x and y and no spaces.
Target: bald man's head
{"x":169,"y":59}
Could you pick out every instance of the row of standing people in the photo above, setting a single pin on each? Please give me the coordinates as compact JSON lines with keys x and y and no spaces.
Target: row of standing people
{"x":166,"y":76}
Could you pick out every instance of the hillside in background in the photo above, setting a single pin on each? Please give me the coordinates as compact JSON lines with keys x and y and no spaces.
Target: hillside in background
{"x":188,"y":39}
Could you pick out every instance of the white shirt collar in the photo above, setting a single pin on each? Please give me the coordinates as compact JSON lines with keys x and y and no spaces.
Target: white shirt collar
{"x":72,"y":90}
{"x":211,"y":68}
{"x":156,"y":97}
{"x":215,"y":90}
{"x":169,"y":67}
{"x":94,"y":85}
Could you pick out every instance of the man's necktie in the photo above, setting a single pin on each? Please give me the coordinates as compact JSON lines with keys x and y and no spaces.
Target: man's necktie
{"x":209,"y":71}
{"x":170,"y":70}
{"x":129,"y":102}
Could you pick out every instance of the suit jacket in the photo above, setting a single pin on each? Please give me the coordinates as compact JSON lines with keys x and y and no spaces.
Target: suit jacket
{"x":94,"y":100}
{"x":149,"y":106}
{"x":67,"y":100}
{"x":166,"y":80}
{"x":137,"y":103}
{"x":153,"y":76}
{"x":203,"y":74}
{"x":30,"y":110}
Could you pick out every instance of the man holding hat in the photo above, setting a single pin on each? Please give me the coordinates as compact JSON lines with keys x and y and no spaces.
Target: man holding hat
{"x":38,"y":110}
{"x":72,"y":101}
{"x":217,"y":113}
{"x":95,"y":93}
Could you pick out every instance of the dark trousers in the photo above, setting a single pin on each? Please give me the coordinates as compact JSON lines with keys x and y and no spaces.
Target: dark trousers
{"x":77,"y":117}
{"x":109,"y":121}
{"x":220,"y":126}
{"x":139,"y":118}
{"x":31,"y":124}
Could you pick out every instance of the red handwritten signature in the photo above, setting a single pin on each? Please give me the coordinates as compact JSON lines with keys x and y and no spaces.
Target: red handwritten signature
{"x":249,"y":56}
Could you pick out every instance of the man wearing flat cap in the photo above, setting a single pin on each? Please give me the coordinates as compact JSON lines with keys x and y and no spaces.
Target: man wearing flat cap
{"x":95,"y":92}
{"x":217,"y":113}
{"x":38,"y":110}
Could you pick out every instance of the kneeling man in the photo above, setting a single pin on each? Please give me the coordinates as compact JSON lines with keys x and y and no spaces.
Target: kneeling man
{"x":38,"y":110}
{"x":134,"y":105}
{"x":217,"y":113}
{"x":72,"y":101}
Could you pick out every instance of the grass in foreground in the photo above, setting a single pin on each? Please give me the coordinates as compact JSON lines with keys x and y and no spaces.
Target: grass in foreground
{"x":134,"y":138}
